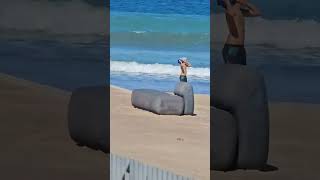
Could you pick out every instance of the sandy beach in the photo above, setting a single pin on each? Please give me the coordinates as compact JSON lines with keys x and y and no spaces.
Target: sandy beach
{"x":35,"y":143}
{"x":176,"y":143}
{"x":294,"y":145}
{"x":294,"y":140}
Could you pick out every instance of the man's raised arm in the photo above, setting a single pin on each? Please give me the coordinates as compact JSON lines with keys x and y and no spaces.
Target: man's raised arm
{"x":229,"y":9}
{"x":252,"y":10}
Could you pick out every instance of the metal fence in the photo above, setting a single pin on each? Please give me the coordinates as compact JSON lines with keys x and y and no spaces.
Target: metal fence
{"x":127,"y":169}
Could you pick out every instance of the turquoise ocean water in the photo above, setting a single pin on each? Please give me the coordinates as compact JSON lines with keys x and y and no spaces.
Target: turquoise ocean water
{"x":62,"y":43}
{"x":145,"y":46}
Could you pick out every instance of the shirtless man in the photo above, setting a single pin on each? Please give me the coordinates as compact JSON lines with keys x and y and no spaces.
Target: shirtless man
{"x":236,"y":11}
{"x":183,"y":66}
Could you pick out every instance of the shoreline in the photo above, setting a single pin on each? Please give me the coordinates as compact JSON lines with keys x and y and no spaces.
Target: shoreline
{"x":30,"y":84}
{"x":129,"y":91}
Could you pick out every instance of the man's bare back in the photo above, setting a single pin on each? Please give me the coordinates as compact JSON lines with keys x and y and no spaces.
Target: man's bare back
{"x":236,"y":25}
{"x":184,"y":64}
{"x":183,"y":68}
{"x":234,"y":51}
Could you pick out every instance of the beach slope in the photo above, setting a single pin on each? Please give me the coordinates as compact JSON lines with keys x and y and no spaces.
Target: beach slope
{"x":179,"y":144}
{"x":35,"y":143}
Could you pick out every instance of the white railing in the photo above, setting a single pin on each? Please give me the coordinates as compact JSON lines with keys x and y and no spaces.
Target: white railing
{"x":127,"y":169}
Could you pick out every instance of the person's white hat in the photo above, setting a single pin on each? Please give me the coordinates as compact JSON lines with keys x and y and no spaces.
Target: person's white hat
{"x":183,"y":58}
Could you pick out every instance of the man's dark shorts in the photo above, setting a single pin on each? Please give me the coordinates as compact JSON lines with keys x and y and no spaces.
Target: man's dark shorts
{"x":183,"y":78}
{"x":234,"y":54}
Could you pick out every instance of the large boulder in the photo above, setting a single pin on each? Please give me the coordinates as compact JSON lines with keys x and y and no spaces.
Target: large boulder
{"x":88,"y":117}
{"x":157,"y":102}
{"x":223,"y":137}
{"x":185,"y":90}
{"x":241,"y":91}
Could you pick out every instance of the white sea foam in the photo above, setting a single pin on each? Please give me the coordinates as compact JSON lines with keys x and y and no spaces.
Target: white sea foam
{"x":133,"y":67}
{"x":139,"y":32}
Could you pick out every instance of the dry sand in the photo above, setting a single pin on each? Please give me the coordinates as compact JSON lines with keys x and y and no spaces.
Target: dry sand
{"x":294,"y":140}
{"x":294,"y":145}
{"x":35,"y":143}
{"x":176,"y":143}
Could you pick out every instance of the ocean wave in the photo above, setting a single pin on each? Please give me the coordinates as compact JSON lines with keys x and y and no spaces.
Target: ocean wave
{"x":133,"y":67}
{"x":287,"y":34}
{"x":139,"y":32}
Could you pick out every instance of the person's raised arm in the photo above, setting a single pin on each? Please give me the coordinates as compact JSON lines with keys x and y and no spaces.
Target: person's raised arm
{"x":229,"y":10}
{"x":188,"y":64}
{"x":183,"y":69}
{"x":251,"y":11}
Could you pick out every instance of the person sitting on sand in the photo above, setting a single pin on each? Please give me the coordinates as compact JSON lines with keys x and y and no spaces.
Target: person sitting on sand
{"x":184,"y":64}
{"x":236,"y":11}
